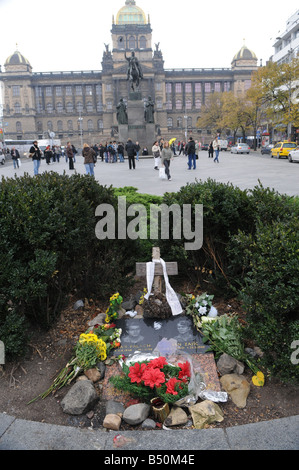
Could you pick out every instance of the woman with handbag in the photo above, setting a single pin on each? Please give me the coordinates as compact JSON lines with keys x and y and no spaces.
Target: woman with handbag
{"x":166,"y":156}
{"x":89,"y":159}
{"x":156,"y":154}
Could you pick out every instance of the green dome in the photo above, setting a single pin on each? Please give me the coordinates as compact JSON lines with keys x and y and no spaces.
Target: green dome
{"x":130,"y":14}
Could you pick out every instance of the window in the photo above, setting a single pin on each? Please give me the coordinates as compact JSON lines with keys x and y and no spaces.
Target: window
{"x":79,"y":90}
{"x":159,"y":103}
{"x":189,"y":122}
{"x":109,"y":104}
{"x":98,"y":89}
{"x":169,"y":122}
{"x":88,"y":90}
{"x":89,"y":107}
{"x":49,"y":108}
{"x":247,"y":84}
{"x":158,"y":86}
{"x":168,"y":87}
{"x":19,"y":127}
{"x":188,"y":104}
{"x":99,"y":107}
{"x":208,"y":87}
{"x":197,"y":87}
{"x":188,"y":87}
{"x":60,"y":126}
{"x":143,"y":42}
{"x":179,"y":122}
{"x":50,"y":125}
{"x":178,"y":88}
{"x":39,"y":126}
{"x":226,"y":86}
{"x":38,"y":91}
{"x":108,"y":87}
{"x":90,"y":125}
{"x":79,"y":107}
{"x":17,"y":108}
{"x":68,"y":90}
{"x":48,"y":91}
{"x":39,"y":107}
{"x":131,"y":42}
{"x":16,"y":90}
{"x":69,"y":107}
{"x":217,"y":87}
{"x":58,"y":91}
{"x":100,"y":124}
{"x":59,"y":108}
{"x":198,"y":103}
{"x":169,"y":105}
{"x":178,"y":104}
{"x":70,"y":125}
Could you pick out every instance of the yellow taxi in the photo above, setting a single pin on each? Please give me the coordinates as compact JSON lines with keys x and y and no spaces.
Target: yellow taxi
{"x":282,"y":149}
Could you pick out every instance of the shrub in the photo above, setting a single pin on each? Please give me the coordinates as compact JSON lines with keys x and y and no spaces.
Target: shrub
{"x":13,"y":333}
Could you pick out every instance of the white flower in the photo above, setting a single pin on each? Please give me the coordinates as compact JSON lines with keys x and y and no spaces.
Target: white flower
{"x":202,"y":310}
{"x":196,"y":305}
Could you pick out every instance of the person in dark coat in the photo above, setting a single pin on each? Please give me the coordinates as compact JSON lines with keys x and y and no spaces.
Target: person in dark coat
{"x":36,"y":155}
{"x":211,"y":149}
{"x":131,"y":151}
{"x":190,"y":151}
{"x":15,"y":156}
{"x":70,"y":155}
{"x":48,"y":154}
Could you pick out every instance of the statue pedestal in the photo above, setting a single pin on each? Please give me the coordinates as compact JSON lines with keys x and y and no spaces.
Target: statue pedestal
{"x":137,"y":129}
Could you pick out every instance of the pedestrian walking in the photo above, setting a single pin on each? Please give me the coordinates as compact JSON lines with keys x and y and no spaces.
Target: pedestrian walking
{"x":35,"y":154}
{"x":211,"y":149}
{"x":216,"y":148}
{"x":90,"y":156}
{"x":156,"y":154}
{"x":70,"y":155}
{"x":137,"y":150}
{"x":166,"y":156}
{"x":190,"y":151}
{"x":48,"y":154}
{"x":15,"y":157}
{"x":131,"y":151}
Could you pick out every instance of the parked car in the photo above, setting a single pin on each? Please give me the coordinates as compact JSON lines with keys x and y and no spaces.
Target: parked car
{"x":2,"y":159}
{"x":204,"y":147}
{"x":240,"y":148}
{"x":294,"y":156}
{"x":282,"y":149}
{"x":267,"y":150}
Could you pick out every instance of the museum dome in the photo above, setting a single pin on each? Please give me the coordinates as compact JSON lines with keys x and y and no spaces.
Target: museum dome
{"x":16,"y":59}
{"x":130,"y":14}
{"x":245,"y":54}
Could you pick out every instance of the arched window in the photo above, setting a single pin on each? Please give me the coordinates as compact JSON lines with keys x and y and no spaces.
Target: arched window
{"x":100,"y":124}
{"x":59,"y":107}
{"x":142,"y":41}
{"x":189,"y":122}
{"x":169,"y":122}
{"x":69,"y":107}
{"x":70,"y":125}
{"x":90,"y":125}
{"x":179,"y":122}
{"x":39,"y":126}
{"x":89,"y":107}
{"x":19,"y":127}
{"x":50,"y":125}
{"x":60,"y":126}
{"x":131,"y":42}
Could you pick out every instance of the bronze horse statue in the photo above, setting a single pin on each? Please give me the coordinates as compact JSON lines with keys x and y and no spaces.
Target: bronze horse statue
{"x":134,"y":73}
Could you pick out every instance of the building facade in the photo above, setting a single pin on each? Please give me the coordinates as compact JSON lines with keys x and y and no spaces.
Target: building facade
{"x":81,"y":105}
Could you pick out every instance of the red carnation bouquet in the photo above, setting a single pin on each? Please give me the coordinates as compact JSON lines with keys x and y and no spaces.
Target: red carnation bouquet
{"x":155,"y":378}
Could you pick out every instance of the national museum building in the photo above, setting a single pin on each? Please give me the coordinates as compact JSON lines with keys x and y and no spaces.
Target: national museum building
{"x":81,"y":105}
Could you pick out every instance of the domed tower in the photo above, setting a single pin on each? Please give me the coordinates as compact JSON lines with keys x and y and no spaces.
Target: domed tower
{"x":17,"y":63}
{"x":131,"y":32}
{"x":244,"y":59}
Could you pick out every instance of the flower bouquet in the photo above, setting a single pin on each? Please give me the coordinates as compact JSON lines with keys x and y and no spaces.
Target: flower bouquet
{"x":154,"y":378}
{"x":115,"y":302}
{"x":200,"y":308}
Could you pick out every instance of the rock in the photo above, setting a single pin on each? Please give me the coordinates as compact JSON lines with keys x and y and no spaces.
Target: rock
{"x":78,"y":304}
{"x":136,"y":414}
{"x":115,"y":407}
{"x":176,"y":417}
{"x":129,"y":304}
{"x":139,"y":310}
{"x":102,"y":369}
{"x":148,"y":424}
{"x":112,"y":421}
{"x":237,"y":387}
{"x":93,"y":374}
{"x":98,"y":320}
{"x":80,"y":398}
{"x":204,"y":413}
{"x":227,"y":364}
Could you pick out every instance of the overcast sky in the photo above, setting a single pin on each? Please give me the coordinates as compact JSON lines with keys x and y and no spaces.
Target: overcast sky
{"x":65,"y":35}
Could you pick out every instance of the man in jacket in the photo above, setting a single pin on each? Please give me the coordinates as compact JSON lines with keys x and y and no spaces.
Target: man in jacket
{"x":190,"y":151}
{"x":131,"y":151}
{"x":36,"y":156}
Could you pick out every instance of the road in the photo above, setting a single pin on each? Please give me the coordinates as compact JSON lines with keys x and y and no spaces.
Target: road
{"x":243,"y":171}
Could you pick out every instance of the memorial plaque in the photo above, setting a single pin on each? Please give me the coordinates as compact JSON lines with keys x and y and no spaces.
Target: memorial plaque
{"x":159,"y":335}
